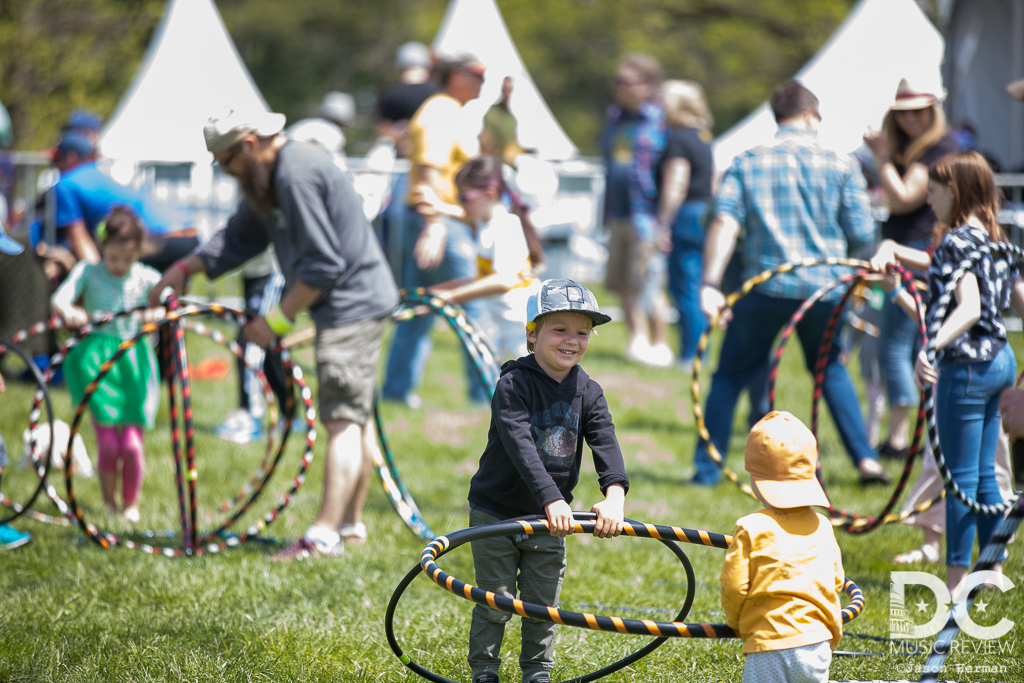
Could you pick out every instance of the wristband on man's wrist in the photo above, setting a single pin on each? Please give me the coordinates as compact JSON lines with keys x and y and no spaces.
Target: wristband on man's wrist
{"x":278,"y":322}
{"x":180,"y":265}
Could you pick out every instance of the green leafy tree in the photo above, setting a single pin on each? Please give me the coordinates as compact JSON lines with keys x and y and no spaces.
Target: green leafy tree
{"x":61,"y":54}
{"x":738,"y":49}
{"x":56,"y":55}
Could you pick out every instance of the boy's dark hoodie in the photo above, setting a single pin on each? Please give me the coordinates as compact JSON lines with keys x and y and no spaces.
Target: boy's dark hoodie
{"x":534,"y":450}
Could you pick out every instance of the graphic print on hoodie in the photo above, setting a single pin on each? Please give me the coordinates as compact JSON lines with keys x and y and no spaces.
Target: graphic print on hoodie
{"x":556,"y":431}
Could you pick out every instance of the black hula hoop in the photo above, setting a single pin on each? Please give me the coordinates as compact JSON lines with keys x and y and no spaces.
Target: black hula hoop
{"x":51,"y":324}
{"x":269,"y":399}
{"x":417,"y":570}
{"x":213,"y":541}
{"x":483,"y":358}
{"x":847,"y":521}
{"x":444,"y":544}
{"x":854,"y":523}
{"x":702,"y":345}
{"x":990,"y":555}
{"x":927,"y":394}
{"x":180,"y":373}
{"x":42,"y":469}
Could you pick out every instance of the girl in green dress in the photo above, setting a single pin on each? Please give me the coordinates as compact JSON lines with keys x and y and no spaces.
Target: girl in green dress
{"x":127,"y":398}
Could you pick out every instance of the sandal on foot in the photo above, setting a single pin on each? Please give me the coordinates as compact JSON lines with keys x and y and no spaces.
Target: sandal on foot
{"x":924,"y":554}
{"x":353,"y":534}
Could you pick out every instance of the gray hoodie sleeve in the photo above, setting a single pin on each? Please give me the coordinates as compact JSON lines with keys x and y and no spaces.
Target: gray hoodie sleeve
{"x":244,"y":237}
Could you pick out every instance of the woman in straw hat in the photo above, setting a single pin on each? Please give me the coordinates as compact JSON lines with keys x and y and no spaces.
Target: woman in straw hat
{"x":914,"y":135}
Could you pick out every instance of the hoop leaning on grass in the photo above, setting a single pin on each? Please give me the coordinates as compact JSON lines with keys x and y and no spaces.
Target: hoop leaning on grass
{"x":179,"y":371}
{"x":990,"y":555}
{"x":483,"y":358}
{"x":269,"y":399}
{"x":41,"y":468}
{"x":210,"y":542}
{"x":54,"y":323}
{"x":927,"y":394}
{"x":662,"y":630}
{"x":230,"y":315}
{"x":847,"y":521}
{"x":252,"y":490}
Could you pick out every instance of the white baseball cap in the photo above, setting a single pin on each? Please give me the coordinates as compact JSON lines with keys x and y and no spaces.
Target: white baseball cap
{"x":226,"y":128}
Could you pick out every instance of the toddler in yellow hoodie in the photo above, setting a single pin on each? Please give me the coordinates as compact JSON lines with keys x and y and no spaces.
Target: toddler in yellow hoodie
{"x":783,"y":571}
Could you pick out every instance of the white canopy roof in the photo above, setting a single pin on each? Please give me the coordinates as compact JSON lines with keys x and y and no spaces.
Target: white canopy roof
{"x":854,"y":76}
{"x":190,"y":72}
{"x":476,"y":26}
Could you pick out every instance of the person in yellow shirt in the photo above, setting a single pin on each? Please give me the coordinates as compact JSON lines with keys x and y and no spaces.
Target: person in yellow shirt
{"x":783,"y":571}
{"x":442,"y":136}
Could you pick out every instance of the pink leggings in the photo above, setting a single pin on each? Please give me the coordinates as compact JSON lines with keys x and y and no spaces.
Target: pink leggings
{"x":123,"y":444}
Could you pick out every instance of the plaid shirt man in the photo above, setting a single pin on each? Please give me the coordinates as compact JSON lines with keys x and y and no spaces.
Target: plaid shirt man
{"x":796,"y":200}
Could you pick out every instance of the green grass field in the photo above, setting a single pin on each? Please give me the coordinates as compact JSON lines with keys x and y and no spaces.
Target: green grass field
{"x":71,"y":611}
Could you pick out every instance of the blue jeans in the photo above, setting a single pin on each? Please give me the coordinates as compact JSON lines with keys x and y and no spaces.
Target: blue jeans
{"x":967,"y":412}
{"x":411,"y":345}
{"x":393,"y":219}
{"x":757,"y":387}
{"x":685,"y":273}
{"x":898,"y":340}
{"x":757,"y":320}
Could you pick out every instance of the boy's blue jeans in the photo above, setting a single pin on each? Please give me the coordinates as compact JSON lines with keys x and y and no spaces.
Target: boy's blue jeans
{"x":967,"y":413}
{"x":411,"y":344}
{"x":532,"y":566}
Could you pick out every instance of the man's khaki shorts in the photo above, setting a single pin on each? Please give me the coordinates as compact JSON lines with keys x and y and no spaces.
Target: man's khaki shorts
{"x":346,"y":369}
{"x":628,"y":258}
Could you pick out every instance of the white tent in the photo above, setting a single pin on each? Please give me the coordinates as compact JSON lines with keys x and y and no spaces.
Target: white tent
{"x":985,"y":52}
{"x":190,"y":72}
{"x":854,"y":76}
{"x":476,"y":26}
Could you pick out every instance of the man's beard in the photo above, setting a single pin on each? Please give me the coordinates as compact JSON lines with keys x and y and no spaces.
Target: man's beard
{"x":255,"y":183}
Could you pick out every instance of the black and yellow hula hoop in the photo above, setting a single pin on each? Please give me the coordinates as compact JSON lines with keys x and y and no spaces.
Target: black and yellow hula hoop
{"x":669,"y":535}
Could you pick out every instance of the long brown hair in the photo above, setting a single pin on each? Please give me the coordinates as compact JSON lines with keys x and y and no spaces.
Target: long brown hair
{"x":904,"y":151}
{"x":970,"y":178}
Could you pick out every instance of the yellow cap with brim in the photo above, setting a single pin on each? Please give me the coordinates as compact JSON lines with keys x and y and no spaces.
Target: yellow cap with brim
{"x":781,"y":457}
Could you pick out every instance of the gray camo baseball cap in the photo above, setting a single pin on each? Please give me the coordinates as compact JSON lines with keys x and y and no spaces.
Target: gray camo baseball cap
{"x":564,"y":295}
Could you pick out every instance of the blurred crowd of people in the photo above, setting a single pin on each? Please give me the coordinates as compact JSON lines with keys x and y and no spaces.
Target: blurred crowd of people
{"x":676,"y":238}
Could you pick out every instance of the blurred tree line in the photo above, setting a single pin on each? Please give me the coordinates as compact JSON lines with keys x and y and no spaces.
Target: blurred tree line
{"x":56,"y":55}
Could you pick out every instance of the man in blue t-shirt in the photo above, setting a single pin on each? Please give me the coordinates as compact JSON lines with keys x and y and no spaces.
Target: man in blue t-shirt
{"x":84,"y":196}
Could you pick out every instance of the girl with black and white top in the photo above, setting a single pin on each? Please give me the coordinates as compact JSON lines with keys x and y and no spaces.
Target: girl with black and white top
{"x":974,"y":363}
